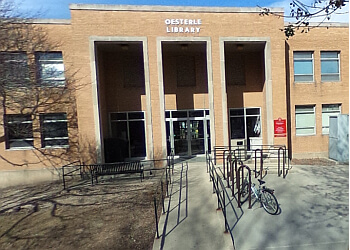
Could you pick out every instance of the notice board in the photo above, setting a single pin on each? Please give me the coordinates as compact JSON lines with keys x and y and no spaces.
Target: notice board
{"x":280,"y":127}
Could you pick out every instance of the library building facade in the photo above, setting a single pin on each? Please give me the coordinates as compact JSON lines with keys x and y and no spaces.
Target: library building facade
{"x":150,"y":80}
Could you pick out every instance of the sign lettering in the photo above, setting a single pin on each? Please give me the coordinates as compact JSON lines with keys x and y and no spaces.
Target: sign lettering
{"x":183,"y":25}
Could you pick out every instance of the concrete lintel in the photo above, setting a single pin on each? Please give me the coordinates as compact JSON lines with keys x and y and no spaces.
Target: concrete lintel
{"x":117,"y":39}
{"x":324,"y":24}
{"x":159,"y":8}
{"x":51,"y":21}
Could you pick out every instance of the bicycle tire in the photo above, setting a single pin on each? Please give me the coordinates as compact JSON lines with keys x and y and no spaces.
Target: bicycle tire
{"x":244,"y":191}
{"x":269,"y":202}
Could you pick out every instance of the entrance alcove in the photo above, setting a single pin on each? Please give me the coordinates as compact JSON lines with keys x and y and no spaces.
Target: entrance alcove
{"x":122,"y":102}
{"x":185,"y":84}
{"x":245,"y":82}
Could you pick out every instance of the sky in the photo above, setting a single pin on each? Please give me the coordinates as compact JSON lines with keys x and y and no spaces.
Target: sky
{"x":60,"y":8}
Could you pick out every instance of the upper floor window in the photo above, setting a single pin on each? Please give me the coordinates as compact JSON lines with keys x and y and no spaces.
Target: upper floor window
{"x":305,"y":123}
{"x":303,"y":66}
{"x":327,"y":111}
{"x":54,"y":130}
{"x":14,"y":69}
{"x":330,"y":70}
{"x":50,"y":68}
{"x":19,"y":131}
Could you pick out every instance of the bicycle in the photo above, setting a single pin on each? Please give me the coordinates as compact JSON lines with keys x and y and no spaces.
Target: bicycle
{"x":263,"y":194}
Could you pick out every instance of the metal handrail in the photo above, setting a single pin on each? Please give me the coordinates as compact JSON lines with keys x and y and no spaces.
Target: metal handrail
{"x":70,"y":165}
{"x":217,"y":181}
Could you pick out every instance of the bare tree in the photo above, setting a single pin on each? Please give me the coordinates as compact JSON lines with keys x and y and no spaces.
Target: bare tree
{"x":304,"y":13}
{"x":37,"y":91}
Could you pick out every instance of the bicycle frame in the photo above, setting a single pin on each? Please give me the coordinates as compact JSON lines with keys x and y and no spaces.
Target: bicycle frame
{"x":255,"y":191}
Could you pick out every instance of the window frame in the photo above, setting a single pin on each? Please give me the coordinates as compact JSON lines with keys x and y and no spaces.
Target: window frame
{"x":304,"y":59}
{"x":305,"y":112}
{"x":128,"y":117}
{"x":330,"y":113}
{"x":53,"y":81}
{"x":245,"y":113}
{"x":330,"y":59}
{"x":16,"y":82}
{"x":46,"y":138}
{"x":28,"y":120}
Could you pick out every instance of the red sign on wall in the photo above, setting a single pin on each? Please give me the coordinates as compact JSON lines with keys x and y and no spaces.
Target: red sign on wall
{"x":280,"y":127}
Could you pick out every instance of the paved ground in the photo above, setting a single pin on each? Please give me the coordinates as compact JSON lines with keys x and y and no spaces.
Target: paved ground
{"x":193,"y":221}
{"x":314,"y":213}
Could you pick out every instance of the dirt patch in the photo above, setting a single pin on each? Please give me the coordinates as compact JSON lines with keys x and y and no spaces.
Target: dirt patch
{"x":115,"y":214}
{"x":314,"y":161}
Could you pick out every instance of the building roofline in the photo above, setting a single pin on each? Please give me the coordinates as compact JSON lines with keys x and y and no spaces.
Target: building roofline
{"x":324,"y":24}
{"x":50,"y":21}
{"x":160,"y":8}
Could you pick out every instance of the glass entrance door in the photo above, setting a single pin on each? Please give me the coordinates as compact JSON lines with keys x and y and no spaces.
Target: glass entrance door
{"x":188,"y":134}
{"x":197,"y":137}
{"x":180,"y":137}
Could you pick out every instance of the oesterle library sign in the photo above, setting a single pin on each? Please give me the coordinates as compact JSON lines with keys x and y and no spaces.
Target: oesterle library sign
{"x":183,"y":25}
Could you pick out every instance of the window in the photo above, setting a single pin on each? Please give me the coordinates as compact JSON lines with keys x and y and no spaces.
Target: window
{"x":303,"y":66}
{"x":128,"y":134}
{"x":19,"y":131}
{"x":245,"y":123}
{"x":305,"y":120}
{"x":14,"y":70}
{"x":54,"y":130}
{"x":327,"y":111}
{"x":330,"y":70}
{"x":50,"y":68}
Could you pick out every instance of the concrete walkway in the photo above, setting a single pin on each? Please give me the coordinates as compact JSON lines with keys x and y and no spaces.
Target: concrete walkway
{"x":193,"y":221}
{"x":314,"y":213}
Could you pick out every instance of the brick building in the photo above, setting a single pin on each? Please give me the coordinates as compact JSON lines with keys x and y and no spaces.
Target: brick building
{"x":155,"y":78}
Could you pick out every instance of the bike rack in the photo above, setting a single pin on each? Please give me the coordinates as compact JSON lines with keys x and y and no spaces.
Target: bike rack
{"x":279,"y":161}
{"x":261,"y":163}
{"x":284,"y":154}
{"x":224,"y":162}
{"x":233,"y":173}
{"x":240,"y":171}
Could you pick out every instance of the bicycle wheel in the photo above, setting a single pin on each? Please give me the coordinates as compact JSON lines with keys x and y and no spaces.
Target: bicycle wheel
{"x":244,"y":191}
{"x":269,"y":202}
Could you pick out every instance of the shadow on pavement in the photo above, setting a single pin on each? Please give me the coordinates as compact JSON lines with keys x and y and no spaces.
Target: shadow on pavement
{"x":178,"y":202}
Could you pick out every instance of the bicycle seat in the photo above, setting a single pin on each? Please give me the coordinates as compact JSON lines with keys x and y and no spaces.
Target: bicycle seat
{"x":261,"y":182}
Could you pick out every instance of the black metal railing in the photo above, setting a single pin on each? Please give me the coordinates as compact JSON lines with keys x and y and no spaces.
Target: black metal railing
{"x":278,"y":152}
{"x":162,"y":190}
{"x":221,"y":151}
{"x":240,"y":178}
{"x":260,"y":154}
{"x":71,"y":170}
{"x":221,"y":193}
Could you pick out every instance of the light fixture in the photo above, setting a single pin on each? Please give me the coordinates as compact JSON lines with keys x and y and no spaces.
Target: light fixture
{"x":240,"y":46}
{"x":124,"y":46}
{"x":184,"y":46}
